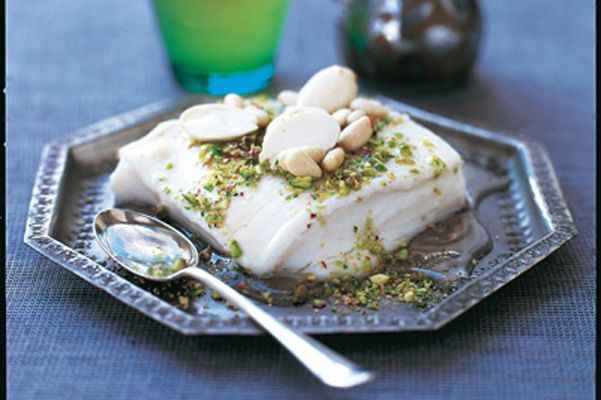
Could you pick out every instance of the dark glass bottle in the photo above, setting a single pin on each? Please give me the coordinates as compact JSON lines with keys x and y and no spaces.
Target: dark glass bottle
{"x":418,"y":43}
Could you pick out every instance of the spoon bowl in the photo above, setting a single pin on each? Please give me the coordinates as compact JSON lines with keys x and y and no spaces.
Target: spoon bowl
{"x":155,"y":251}
{"x":144,"y":245}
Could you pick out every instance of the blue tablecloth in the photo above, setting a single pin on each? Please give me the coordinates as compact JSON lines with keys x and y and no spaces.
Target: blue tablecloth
{"x":70,"y":63}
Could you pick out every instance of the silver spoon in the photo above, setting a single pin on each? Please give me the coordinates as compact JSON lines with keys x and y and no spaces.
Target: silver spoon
{"x":144,"y":246}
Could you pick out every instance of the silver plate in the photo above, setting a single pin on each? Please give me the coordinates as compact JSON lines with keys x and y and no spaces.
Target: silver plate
{"x":528,"y":221}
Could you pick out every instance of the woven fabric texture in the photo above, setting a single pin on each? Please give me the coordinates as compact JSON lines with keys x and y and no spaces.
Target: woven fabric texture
{"x":71,"y":63}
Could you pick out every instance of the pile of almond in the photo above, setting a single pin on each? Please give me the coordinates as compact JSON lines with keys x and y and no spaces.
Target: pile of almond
{"x":321,"y":123}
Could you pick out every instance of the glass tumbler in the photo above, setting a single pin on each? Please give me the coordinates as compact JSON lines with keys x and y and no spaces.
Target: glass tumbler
{"x":221,"y":46}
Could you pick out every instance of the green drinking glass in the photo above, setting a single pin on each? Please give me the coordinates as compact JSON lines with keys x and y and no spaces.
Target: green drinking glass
{"x":221,"y":46}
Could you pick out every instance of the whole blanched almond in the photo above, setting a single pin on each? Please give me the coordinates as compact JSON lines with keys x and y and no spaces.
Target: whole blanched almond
{"x":355,"y":115}
{"x":282,"y":157}
{"x":288,"y":97}
{"x":299,"y":163}
{"x":354,"y":136}
{"x":341,"y":116}
{"x":316,"y":153}
{"x":297,"y":129}
{"x":261,"y":115}
{"x":333,"y":159}
{"x":217,"y":122}
{"x":330,"y":88}
{"x":233,"y":100}
{"x":370,"y":107}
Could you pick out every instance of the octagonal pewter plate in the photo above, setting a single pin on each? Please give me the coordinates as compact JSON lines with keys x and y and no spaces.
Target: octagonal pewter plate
{"x":528,"y":219}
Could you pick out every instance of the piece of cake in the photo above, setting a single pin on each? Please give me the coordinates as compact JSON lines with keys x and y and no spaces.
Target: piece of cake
{"x":273,"y":201}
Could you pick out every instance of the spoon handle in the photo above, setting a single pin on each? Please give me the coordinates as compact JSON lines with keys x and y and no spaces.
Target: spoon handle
{"x":330,"y":367}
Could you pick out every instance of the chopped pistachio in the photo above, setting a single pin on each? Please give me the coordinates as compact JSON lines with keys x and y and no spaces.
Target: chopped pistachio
{"x":301,"y":182}
{"x":382,"y":122}
{"x":428,"y":144}
{"x":184,"y":301}
{"x":191,"y":200}
{"x":405,"y":150}
{"x":379,"y":279}
{"x":319,"y":303}
{"x":198,"y":290}
{"x":300,"y":294}
{"x":267,"y":296}
{"x":235,"y":250}
{"x":406,"y":161}
{"x":402,"y":254}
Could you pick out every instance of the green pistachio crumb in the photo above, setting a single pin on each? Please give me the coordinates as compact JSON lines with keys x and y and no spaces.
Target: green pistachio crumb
{"x":235,"y":250}
{"x":184,"y":302}
{"x":300,"y":294}
{"x":405,"y":150}
{"x":301,"y":182}
{"x":402,"y":254}
{"x":428,"y":144}
{"x":379,"y":279}
{"x":267,"y":297}
{"x":319,"y":304}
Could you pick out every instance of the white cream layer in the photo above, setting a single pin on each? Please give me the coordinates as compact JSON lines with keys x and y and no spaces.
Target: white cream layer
{"x":278,"y":236}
